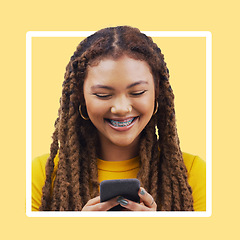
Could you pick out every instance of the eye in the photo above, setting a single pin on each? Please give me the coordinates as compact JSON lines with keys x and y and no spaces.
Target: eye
{"x":102,"y":95}
{"x":138,"y":93}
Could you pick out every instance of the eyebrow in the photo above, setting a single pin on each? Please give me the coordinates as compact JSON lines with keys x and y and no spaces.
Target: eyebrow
{"x":111,"y":88}
{"x":137,"y":83}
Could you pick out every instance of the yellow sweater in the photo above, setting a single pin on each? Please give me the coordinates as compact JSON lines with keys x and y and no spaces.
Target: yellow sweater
{"x":196,"y":168}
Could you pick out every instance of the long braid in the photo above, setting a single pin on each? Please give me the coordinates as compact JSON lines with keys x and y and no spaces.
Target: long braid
{"x":145,"y":155}
{"x":62,"y":181}
{"x":154,"y":169}
{"x":171,"y":147}
{"x":93,"y":169}
{"x":166,"y":191}
{"x":62,"y":177}
{"x":74,"y":155}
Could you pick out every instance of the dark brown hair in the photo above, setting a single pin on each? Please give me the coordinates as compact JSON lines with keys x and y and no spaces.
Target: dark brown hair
{"x":162,"y":171}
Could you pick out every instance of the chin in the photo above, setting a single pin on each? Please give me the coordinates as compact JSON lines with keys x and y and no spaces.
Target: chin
{"x":123,"y":142}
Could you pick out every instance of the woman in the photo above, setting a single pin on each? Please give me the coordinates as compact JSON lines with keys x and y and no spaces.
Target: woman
{"x":115,"y":95}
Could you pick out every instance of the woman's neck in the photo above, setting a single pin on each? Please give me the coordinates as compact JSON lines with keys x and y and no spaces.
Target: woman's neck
{"x":111,"y":152}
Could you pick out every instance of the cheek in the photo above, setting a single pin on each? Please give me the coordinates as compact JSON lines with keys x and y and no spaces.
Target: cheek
{"x":96,"y":108}
{"x":145,"y":106}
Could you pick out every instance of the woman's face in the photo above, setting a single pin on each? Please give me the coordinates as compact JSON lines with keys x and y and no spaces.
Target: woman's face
{"x":120,"y":97}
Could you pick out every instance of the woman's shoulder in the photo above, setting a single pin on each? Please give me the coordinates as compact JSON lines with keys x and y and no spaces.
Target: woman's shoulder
{"x":42,"y":159}
{"x":38,"y":178}
{"x":196,"y":168}
{"x":39,"y":164}
{"x":193,"y":162}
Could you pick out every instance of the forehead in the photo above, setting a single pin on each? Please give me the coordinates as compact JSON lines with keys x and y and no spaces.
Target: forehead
{"x":119,"y":70}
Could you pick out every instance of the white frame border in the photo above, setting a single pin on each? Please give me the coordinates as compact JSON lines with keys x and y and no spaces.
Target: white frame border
{"x":206,"y":213}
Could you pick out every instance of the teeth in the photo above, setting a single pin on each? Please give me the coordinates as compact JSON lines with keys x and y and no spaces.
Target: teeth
{"x":121,"y":124}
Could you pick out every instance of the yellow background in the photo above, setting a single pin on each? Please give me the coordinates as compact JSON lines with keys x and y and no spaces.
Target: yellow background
{"x":18,"y":17}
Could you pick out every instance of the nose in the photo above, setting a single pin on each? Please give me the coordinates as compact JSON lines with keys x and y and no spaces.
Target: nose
{"x":121,"y":106}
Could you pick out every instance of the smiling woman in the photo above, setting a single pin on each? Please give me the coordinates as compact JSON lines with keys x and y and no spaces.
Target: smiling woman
{"x":115,"y":96}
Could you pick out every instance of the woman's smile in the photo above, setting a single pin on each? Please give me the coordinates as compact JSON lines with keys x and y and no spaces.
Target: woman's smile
{"x":121,"y":124}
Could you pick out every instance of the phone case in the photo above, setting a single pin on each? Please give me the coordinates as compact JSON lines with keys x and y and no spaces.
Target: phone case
{"x":127,"y":188}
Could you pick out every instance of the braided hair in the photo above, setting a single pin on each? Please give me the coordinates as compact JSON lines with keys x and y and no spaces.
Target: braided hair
{"x":162,"y":170}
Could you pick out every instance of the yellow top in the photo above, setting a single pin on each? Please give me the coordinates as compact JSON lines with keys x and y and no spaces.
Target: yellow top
{"x":196,"y":168}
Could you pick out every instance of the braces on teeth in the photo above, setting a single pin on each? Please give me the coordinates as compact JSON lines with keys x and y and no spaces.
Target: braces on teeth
{"x":121,"y":124}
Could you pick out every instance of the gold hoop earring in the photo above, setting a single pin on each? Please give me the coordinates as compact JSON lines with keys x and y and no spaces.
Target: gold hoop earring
{"x":156,"y":108}
{"x":80,"y":111}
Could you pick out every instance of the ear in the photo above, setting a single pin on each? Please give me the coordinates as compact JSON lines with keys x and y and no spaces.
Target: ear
{"x":80,"y":94}
{"x":156,"y":93}
{"x":156,"y":83}
{"x":82,"y":99}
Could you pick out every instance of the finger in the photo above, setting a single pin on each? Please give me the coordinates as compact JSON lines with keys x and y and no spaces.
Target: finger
{"x":147,"y":198}
{"x":93,"y":201}
{"x":133,"y":206}
{"x":103,"y":206}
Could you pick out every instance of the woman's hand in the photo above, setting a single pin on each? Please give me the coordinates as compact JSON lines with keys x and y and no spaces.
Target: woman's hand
{"x":94,"y":204}
{"x":147,"y":202}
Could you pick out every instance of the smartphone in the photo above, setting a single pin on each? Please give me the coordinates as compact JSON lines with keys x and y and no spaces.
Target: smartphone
{"x":127,"y":188}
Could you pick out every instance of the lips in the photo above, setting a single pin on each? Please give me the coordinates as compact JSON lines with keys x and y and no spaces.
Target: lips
{"x":121,"y":124}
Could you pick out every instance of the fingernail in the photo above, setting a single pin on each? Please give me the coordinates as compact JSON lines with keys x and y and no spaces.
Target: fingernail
{"x":142,"y":192}
{"x":120,"y":198}
{"x":122,"y":201}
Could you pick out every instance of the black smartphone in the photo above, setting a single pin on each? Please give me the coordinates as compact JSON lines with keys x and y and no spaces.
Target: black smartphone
{"x":127,"y":188}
